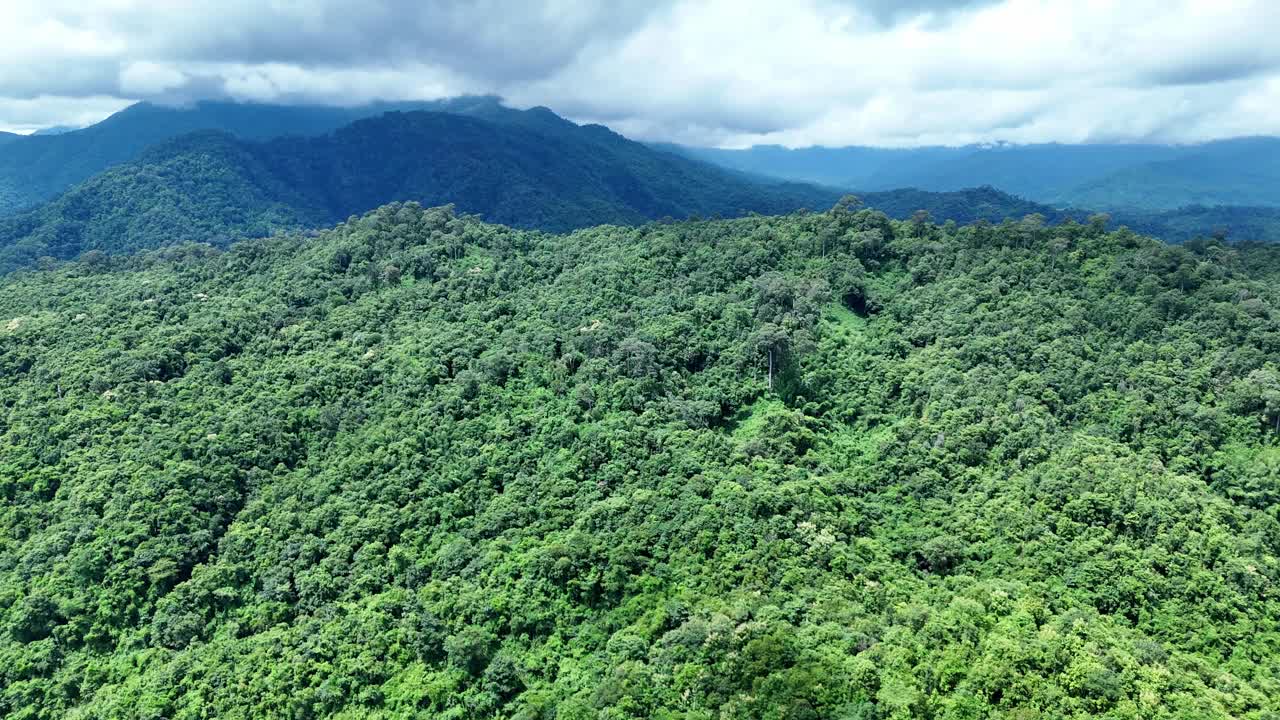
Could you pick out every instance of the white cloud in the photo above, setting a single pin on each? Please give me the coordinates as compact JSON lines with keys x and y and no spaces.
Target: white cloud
{"x":148,"y":78}
{"x":728,"y":72}
{"x":25,"y":115}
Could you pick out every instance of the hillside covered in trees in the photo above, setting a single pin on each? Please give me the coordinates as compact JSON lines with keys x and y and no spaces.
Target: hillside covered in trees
{"x":38,"y":167}
{"x":253,"y":170}
{"x":805,"y":466}
{"x":530,"y":169}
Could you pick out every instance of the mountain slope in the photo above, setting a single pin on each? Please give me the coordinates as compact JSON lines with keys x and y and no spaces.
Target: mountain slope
{"x":962,"y":206}
{"x":1232,"y":222}
{"x":36,"y":168}
{"x":853,"y":167}
{"x":527,"y":169}
{"x":420,"y":466}
{"x":1041,"y":172}
{"x":205,"y":187}
{"x":1102,"y":176}
{"x":1239,"y":172}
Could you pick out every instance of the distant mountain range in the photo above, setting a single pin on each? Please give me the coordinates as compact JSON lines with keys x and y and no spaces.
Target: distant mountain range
{"x":524,"y":168}
{"x":253,"y":170}
{"x":1105,"y":177}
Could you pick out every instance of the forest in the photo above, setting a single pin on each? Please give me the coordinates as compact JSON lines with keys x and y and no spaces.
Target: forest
{"x":811,"y":465}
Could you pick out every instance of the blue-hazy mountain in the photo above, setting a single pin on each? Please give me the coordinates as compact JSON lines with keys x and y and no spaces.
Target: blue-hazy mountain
{"x":1102,"y":176}
{"x":56,"y":130}
{"x":528,"y":169}
{"x":35,"y":168}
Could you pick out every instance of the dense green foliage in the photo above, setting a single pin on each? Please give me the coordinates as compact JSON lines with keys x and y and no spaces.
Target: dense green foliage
{"x":817,"y":465}
{"x":960,"y":206}
{"x":204,"y":187}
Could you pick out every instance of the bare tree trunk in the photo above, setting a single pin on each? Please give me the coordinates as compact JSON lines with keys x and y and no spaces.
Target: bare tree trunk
{"x":770,"y":369}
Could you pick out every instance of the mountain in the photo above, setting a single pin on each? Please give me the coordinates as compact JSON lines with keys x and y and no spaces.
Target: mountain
{"x":7,"y":137}
{"x":1232,"y":222}
{"x":1102,"y":176}
{"x":962,"y":206}
{"x":804,"y":466}
{"x":851,"y":167}
{"x":56,"y":130}
{"x":1236,"y":172}
{"x":530,"y":169}
{"x":35,"y":168}
{"x":527,"y":168}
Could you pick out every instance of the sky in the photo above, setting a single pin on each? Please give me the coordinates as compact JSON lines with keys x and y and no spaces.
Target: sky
{"x":727,"y":73}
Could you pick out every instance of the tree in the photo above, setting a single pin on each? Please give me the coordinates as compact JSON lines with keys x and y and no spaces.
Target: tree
{"x":846,"y":207}
{"x":787,"y":309}
{"x":773,"y":342}
{"x":1262,"y":392}
{"x":920,"y":220}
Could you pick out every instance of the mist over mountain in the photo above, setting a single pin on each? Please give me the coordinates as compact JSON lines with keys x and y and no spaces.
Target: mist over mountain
{"x":55,"y":130}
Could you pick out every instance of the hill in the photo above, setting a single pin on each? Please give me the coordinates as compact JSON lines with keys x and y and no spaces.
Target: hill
{"x":851,"y":167}
{"x":1236,"y":172}
{"x":35,"y":168}
{"x":1232,"y":222}
{"x":1104,"y":176}
{"x":817,"y":465}
{"x":962,"y":206}
{"x":531,"y":169}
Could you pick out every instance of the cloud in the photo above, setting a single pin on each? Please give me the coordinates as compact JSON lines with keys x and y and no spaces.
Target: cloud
{"x":24,"y":115}
{"x":889,"y":12}
{"x":705,"y":71}
{"x":148,"y":78}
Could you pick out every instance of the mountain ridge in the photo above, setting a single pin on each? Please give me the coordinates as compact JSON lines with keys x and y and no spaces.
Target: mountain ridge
{"x":1055,"y":173}
{"x":36,"y":168}
{"x":530,"y":169}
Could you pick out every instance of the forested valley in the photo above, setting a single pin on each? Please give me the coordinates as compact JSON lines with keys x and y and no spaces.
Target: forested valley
{"x":811,"y":465}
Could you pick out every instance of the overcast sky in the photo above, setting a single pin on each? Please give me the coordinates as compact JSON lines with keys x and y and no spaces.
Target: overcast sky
{"x":719,"y":72}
